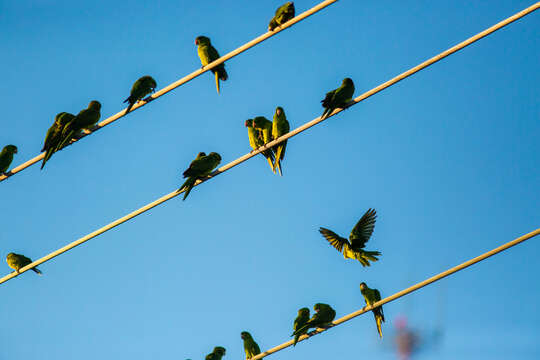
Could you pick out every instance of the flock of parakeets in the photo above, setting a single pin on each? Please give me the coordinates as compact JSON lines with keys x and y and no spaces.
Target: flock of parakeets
{"x":67,"y":127}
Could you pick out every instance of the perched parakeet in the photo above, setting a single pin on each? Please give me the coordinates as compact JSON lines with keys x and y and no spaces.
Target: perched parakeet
{"x":283,"y":14}
{"x":142,"y":87}
{"x":6,"y":157}
{"x":207,"y":54}
{"x":216,"y":354}
{"x":323,"y":317}
{"x":54,"y":135}
{"x":16,"y":262}
{"x":360,"y":234}
{"x":371,"y":296}
{"x":280,"y":126}
{"x":250,"y":346}
{"x":85,"y":119}
{"x":199,"y":168}
{"x":256,"y":141}
{"x":338,"y":98}
{"x":299,"y":323}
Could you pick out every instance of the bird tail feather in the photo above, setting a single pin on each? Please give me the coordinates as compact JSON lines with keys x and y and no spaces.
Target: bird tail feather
{"x":37,"y":271}
{"x":217,"y":81}
{"x":187,"y":186}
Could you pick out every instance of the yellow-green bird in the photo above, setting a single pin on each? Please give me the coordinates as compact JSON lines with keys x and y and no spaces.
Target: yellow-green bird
{"x":299,"y":323}
{"x":256,"y":140}
{"x":371,"y":296}
{"x":360,"y":234}
{"x":280,"y":126}
{"x":199,"y":168}
{"x":142,"y":87}
{"x":216,"y":354}
{"x":283,"y":14}
{"x":6,"y":157}
{"x":251,"y":348}
{"x":338,"y":98}
{"x":17,"y":261}
{"x":54,"y":135}
{"x":85,"y":119}
{"x":207,"y":53}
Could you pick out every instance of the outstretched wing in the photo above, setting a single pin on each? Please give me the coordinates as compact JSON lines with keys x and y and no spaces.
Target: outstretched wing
{"x":334,"y":239}
{"x":362,"y":231}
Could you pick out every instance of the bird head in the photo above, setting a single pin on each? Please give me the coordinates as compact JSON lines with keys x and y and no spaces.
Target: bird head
{"x":363,"y":286}
{"x":11,"y":148}
{"x":10,"y":255}
{"x":279,"y":110}
{"x":348,"y":81}
{"x":201,"y":154}
{"x":202,"y":40}
{"x":215,"y":155}
{"x":94,"y":104}
{"x":245,"y":335}
{"x":249,"y":123}
{"x":317,"y":307}
{"x":303,"y":311}
{"x":219,"y":350}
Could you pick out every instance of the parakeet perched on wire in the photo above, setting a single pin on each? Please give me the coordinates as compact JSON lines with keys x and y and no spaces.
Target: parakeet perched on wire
{"x":54,"y":135}
{"x":256,"y":140}
{"x":360,"y":234}
{"x":6,"y":157}
{"x":299,"y":323}
{"x":371,"y":296}
{"x":280,"y":126}
{"x":17,"y":261}
{"x":216,"y":354}
{"x":85,"y":119}
{"x":323,"y":317}
{"x":283,"y":14}
{"x":250,"y":346}
{"x":142,"y":87}
{"x":207,"y":54}
{"x":199,"y":168}
{"x":338,"y":98}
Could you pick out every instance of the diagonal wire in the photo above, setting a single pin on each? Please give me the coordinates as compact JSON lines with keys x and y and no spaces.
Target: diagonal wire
{"x":277,"y":141}
{"x":184,"y":80}
{"x":404,"y":292}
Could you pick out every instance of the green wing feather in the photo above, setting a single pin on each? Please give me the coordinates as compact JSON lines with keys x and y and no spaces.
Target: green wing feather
{"x":334,"y":239}
{"x":363,"y":229}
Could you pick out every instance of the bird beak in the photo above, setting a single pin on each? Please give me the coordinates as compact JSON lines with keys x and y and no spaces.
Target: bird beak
{"x":16,"y":151}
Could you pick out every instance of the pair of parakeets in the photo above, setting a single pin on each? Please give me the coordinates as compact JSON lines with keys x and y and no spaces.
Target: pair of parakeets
{"x":199,"y":169}
{"x":261,"y":131}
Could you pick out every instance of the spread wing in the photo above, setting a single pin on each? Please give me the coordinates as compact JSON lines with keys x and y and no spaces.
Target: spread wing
{"x":362,"y":231}
{"x":334,"y":239}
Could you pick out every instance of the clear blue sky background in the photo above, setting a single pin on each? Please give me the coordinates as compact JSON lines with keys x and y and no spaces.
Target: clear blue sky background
{"x":449,"y":158}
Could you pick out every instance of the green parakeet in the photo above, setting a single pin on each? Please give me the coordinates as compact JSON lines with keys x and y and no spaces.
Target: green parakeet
{"x":256,"y":141}
{"x":54,"y":135}
{"x":85,"y":119}
{"x":199,"y":168}
{"x":360,"y":234}
{"x":371,"y":296}
{"x":250,"y":346}
{"x":17,"y":261}
{"x":142,"y":87}
{"x":338,"y":98}
{"x":207,"y":54}
{"x":299,"y":323}
{"x":6,"y":157}
{"x":323,"y":317}
{"x":280,"y":126}
{"x":283,"y":14}
{"x":216,"y":354}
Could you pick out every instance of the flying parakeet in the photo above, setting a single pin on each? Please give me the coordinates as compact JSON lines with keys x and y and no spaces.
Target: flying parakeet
{"x":280,"y":126}
{"x":371,"y":296}
{"x":142,"y":87}
{"x":338,"y":98}
{"x":299,"y":323}
{"x":199,"y":168}
{"x":360,"y":234}
{"x":54,"y":135}
{"x":256,"y":141}
{"x":323,"y":317}
{"x":6,"y":157}
{"x":216,"y":354}
{"x":283,"y":14}
{"x":16,"y":262}
{"x":250,"y":346}
{"x":207,"y":54}
{"x":85,"y":119}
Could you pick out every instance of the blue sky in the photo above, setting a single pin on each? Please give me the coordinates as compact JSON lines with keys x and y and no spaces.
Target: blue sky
{"x":449,"y":158}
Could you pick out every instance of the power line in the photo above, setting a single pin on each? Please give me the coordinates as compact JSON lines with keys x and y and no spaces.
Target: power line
{"x":406,"y":291}
{"x":184,"y":80}
{"x":277,"y":141}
